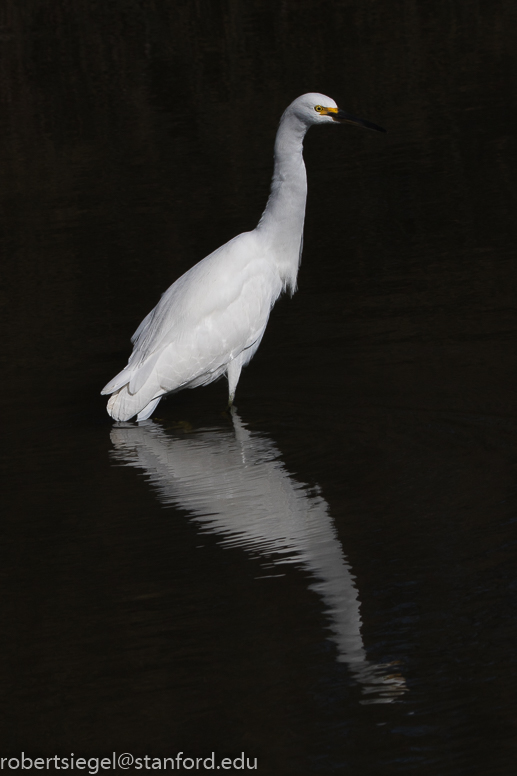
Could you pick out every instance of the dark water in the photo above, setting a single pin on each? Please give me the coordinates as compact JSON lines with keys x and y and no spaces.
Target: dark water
{"x":327,"y":580}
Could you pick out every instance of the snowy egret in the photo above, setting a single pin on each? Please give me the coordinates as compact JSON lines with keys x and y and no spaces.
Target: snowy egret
{"x":211,"y":320}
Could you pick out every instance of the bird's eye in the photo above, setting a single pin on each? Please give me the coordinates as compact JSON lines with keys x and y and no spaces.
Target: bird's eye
{"x":318,"y":108}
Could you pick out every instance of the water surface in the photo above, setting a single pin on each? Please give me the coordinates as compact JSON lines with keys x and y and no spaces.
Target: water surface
{"x":326,"y":579}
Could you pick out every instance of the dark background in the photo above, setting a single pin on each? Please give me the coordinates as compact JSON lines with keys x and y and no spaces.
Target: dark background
{"x":136,"y":137}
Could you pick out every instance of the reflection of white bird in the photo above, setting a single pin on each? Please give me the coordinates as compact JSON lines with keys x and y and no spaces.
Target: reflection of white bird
{"x":235,"y":484}
{"x":211,"y":321}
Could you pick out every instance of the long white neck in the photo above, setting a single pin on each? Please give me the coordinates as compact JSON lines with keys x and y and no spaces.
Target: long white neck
{"x":282,"y":221}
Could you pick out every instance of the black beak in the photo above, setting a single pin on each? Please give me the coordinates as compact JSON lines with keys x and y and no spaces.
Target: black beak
{"x":346,"y":118}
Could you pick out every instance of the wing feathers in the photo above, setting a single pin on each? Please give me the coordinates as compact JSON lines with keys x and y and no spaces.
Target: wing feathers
{"x":142,"y":374}
{"x":118,"y":381}
{"x":203,"y":321}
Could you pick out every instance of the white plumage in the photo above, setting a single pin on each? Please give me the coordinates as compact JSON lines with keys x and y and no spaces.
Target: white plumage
{"x":212,"y":319}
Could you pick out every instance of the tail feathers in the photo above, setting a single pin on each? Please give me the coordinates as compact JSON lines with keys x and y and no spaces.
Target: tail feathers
{"x":135,"y":391}
{"x":123,"y":405}
{"x":148,"y":411}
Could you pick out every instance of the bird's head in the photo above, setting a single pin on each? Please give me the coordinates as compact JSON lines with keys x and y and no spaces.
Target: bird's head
{"x":314,"y":108}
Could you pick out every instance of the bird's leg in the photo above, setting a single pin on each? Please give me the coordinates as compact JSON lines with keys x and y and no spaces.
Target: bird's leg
{"x":233,"y":372}
{"x":231,"y":397}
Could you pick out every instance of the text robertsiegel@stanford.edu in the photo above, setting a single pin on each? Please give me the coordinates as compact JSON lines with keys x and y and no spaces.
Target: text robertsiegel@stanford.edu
{"x":93,"y":765}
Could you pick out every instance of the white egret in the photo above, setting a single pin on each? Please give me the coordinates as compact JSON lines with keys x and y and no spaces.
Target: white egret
{"x":211,"y":320}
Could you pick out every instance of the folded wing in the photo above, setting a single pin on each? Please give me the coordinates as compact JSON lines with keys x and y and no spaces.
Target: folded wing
{"x":203,"y":321}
